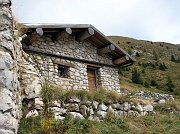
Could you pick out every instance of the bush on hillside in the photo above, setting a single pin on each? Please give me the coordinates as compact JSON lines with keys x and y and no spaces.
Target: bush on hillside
{"x":170,"y":85}
{"x":162,"y":66}
{"x":173,"y":58}
{"x":136,"y":77}
{"x":178,"y":48}
{"x":146,"y":84}
{"x":154,"y":83}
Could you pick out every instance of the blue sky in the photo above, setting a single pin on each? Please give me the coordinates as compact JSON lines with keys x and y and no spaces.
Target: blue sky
{"x":156,"y":20}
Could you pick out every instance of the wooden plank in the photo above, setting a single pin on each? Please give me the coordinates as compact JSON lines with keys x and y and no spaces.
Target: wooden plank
{"x":91,"y":79}
{"x":93,"y":66}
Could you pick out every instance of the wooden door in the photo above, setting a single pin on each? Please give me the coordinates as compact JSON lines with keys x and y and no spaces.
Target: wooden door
{"x":91,"y":78}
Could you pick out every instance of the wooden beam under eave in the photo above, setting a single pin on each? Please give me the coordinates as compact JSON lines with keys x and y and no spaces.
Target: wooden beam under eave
{"x":28,"y":40}
{"x":120,"y":61}
{"x":66,"y":31}
{"x":85,"y":34}
{"x":106,"y":49}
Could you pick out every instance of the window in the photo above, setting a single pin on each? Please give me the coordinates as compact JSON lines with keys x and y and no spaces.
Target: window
{"x":63,"y":71}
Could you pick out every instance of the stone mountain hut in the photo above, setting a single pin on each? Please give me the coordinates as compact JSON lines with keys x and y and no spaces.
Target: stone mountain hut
{"x":74,"y":56}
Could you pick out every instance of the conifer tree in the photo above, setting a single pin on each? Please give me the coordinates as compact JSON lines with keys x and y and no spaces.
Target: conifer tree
{"x":136,"y":77}
{"x":170,"y":85}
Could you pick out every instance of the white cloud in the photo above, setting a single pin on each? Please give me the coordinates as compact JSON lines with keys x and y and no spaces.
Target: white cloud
{"x":157,"y":20}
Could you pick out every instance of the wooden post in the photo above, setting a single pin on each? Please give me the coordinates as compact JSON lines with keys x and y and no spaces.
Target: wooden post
{"x":121,"y":60}
{"x":85,"y":34}
{"x":106,"y":49}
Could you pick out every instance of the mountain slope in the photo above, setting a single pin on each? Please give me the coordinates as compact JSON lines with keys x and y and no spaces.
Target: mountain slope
{"x":154,"y":62}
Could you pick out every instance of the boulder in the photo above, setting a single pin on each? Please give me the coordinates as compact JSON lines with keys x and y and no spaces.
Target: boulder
{"x":117,"y":106}
{"x":59,"y":111}
{"x":32,"y":113}
{"x":4,"y":131}
{"x":102,"y":107}
{"x":91,"y":111}
{"x":76,"y":115}
{"x":143,"y":113}
{"x":6,"y":100}
{"x":148,"y":108}
{"x":126,"y":106}
{"x":87,"y":103}
{"x":162,"y":101}
{"x":58,"y":117}
{"x":73,"y":99}
{"x":56,"y":103}
{"x":8,"y":122}
{"x":93,"y":118}
{"x":73,"y":107}
{"x":38,"y":103}
{"x":95,"y":104}
{"x":2,"y":65}
{"x":83,"y":110}
{"x":110,"y":109}
{"x":101,"y":114}
{"x":118,"y":113}
{"x":139,"y":108}
{"x":132,"y":113}
{"x":54,"y":109}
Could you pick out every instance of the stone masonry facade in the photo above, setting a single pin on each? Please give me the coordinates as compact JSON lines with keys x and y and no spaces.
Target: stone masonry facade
{"x":106,"y":77}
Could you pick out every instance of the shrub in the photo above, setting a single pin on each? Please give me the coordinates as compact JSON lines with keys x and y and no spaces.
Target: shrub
{"x":170,"y":85}
{"x":162,"y":66}
{"x":29,"y":125}
{"x":178,"y":48}
{"x":173,"y":58}
{"x":136,"y":77}
{"x":146,"y":84}
{"x":154,"y":83}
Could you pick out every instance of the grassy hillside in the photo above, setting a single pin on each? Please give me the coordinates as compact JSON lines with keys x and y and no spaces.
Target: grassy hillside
{"x":154,"y":63}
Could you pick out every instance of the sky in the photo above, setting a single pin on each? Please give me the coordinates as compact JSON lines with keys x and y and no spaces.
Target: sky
{"x":155,"y":20}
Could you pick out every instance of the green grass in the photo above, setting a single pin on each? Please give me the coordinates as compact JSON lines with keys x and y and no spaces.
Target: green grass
{"x":151,"y":124}
{"x":159,"y":123}
{"x":50,"y":93}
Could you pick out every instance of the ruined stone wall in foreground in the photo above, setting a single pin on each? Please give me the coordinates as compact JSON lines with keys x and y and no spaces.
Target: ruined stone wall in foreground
{"x":9,"y":85}
{"x":18,"y":78}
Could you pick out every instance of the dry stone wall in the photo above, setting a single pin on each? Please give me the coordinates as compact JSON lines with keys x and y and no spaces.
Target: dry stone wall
{"x":107,"y":77}
{"x":92,"y":110}
{"x":9,"y":85}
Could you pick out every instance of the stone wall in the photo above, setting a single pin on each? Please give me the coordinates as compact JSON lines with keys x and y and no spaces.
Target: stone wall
{"x":9,"y":85}
{"x":68,"y":46}
{"x":107,"y":77}
{"x":92,"y":110}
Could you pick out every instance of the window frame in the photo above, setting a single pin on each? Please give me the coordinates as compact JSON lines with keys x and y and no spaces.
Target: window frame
{"x":63,"y":71}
